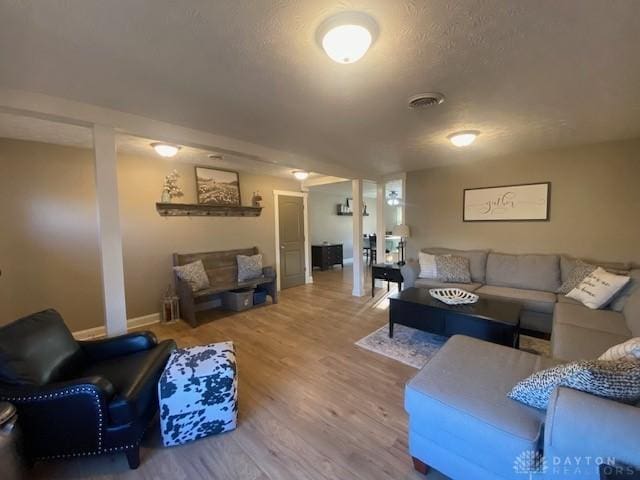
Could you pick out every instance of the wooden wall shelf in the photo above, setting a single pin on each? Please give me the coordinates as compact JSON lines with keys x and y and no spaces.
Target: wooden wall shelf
{"x":350,"y":214}
{"x":340,"y":213}
{"x":197,"y":210}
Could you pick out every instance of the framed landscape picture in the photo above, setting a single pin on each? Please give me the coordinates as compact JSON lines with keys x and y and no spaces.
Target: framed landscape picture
{"x":217,"y":187}
{"x":528,"y":202}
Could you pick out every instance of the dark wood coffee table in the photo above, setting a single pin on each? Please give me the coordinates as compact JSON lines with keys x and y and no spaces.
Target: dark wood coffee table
{"x":490,"y":319}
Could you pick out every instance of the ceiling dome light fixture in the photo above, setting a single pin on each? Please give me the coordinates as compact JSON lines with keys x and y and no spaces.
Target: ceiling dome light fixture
{"x":301,"y":175}
{"x":464,"y":138}
{"x":347,"y":36}
{"x":165,"y":149}
{"x":393,"y":199}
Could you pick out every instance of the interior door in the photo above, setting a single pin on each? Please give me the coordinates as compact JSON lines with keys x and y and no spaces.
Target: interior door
{"x":291,"y":219}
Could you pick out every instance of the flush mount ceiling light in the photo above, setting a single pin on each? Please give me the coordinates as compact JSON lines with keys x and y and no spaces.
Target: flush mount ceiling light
{"x":347,"y":36}
{"x":300,"y":175}
{"x":165,"y":149}
{"x":463,"y":139}
{"x":393,"y":199}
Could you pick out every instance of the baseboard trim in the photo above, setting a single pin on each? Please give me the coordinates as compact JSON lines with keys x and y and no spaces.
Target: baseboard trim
{"x":136,"y":322}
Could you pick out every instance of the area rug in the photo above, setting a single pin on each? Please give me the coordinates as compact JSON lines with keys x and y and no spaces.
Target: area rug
{"x":415,"y":347}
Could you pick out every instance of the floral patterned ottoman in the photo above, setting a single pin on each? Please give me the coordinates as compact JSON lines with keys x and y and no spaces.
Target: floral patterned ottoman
{"x":198,"y":393}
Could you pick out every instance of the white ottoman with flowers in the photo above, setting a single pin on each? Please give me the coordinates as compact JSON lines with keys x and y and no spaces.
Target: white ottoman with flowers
{"x":198,"y":393}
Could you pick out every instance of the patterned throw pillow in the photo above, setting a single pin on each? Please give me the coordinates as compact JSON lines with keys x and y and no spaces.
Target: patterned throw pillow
{"x":616,"y":380}
{"x":629,"y":350}
{"x":577,"y":275}
{"x":194,"y":274}
{"x":598,"y":288}
{"x":249,"y":267}
{"x":453,"y":269}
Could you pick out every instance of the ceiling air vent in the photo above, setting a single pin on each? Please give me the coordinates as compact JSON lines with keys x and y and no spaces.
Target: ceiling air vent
{"x":422,"y":100}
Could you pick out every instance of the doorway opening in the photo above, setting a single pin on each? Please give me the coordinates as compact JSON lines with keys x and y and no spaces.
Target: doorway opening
{"x":331,"y":231}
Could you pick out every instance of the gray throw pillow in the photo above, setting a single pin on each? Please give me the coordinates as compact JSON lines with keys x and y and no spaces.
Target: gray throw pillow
{"x":194,"y":274}
{"x":616,"y":380}
{"x":577,"y":275}
{"x":249,"y":267}
{"x":453,"y":269}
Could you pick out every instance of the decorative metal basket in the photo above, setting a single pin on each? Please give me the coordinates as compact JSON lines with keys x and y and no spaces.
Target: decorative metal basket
{"x":453,"y":296}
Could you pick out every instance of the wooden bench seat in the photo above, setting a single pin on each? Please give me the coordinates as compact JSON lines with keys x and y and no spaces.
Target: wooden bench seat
{"x":222,"y":270}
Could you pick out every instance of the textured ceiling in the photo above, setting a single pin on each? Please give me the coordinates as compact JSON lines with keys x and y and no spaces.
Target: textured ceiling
{"x":527,"y":74}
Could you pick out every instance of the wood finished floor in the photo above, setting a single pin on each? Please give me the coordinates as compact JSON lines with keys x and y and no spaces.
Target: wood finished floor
{"x":312,"y":404}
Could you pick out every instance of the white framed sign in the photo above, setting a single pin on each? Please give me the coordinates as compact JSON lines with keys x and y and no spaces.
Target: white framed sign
{"x":527,"y":202}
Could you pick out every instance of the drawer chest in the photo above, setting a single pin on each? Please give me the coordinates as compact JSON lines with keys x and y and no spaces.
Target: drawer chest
{"x":326,"y":255}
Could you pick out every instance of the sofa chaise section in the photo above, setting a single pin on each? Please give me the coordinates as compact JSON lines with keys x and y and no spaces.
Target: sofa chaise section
{"x":461,"y":421}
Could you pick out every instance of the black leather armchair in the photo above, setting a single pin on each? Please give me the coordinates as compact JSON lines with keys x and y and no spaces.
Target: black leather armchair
{"x":76,"y":398}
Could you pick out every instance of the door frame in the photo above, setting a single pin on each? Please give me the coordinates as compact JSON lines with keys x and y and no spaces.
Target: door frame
{"x":307,"y":249}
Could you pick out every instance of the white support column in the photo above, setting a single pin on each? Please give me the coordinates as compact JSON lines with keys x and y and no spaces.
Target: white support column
{"x":358,"y":264}
{"x":109,"y":235}
{"x":381,"y":202}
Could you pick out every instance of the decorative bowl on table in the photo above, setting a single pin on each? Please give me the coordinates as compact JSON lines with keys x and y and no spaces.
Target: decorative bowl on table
{"x":453,"y":296}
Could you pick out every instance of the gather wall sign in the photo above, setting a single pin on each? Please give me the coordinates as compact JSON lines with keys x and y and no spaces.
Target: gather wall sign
{"x":524,"y":202}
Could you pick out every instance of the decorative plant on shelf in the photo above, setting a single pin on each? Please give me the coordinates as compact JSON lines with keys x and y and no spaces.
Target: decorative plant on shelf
{"x":171,"y":190}
{"x":257,"y":199}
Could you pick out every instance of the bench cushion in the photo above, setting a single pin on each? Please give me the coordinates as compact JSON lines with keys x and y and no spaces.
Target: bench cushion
{"x":459,"y":402}
{"x":532,"y":300}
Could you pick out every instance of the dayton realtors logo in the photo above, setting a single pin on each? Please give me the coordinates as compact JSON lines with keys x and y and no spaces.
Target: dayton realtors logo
{"x":533,"y":463}
{"x":530,"y":463}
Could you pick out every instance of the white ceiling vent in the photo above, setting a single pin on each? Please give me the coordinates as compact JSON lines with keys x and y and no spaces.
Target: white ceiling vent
{"x":422,"y":100}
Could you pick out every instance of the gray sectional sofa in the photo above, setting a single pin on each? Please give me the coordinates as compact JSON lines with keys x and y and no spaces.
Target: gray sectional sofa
{"x":461,"y":421}
{"x":576,"y":331}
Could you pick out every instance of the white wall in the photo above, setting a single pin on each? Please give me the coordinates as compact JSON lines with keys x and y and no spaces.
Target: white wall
{"x":326,"y":226}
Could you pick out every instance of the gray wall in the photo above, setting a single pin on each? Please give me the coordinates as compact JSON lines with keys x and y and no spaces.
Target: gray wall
{"x":595,"y":203}
{"x":48,"y":246}
{"x":326,"y":226}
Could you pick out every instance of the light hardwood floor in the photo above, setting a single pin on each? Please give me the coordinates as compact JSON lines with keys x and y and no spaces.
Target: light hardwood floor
{"x":312,"y":404}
